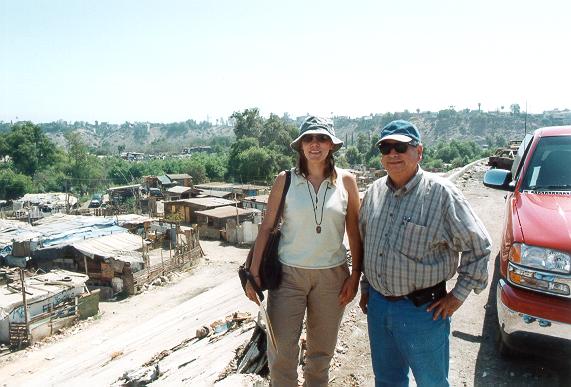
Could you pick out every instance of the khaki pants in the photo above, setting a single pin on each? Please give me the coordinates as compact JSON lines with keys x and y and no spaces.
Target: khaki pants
{"x":317,"y":291}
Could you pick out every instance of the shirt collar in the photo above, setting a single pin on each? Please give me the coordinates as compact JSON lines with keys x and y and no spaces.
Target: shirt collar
{"x":408,"y":186}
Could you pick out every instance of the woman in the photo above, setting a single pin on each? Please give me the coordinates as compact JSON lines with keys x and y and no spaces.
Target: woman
{"x":322,"y":201}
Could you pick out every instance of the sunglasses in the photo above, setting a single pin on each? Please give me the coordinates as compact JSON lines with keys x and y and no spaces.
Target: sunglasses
{"x":399,"y":147}
{"x":319,"y":137}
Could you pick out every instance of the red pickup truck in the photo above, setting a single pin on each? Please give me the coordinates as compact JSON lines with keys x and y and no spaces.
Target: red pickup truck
{"x":533,"y":293}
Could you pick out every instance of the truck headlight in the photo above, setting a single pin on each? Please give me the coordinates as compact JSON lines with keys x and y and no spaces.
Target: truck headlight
{"x":541,"y":258}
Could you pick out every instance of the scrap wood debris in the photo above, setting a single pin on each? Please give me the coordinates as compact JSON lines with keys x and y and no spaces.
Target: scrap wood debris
{"x":150,"y":370}
{"x":114,"y":355}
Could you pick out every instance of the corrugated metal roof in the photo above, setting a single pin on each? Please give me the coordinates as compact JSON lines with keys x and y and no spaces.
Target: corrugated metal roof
{"x":64,"y":229}
{"x":39,"y":287}
{"x":217,"y":186}
{"x":10,"y":229}
{"x":206,"y":202}
{"x":178,"y":176}
{"x":258,"y":198}
{"x":132,"y":219}
{"x":179,"y":189}
{"x":249,"y":186}
{"x":229,"y":186}
{"x":227,"y":212}
{"x":53,"y":198}
{"x":119,"y":246}
{"x":216,"y":194}
{"x":164,"y":179}
{"x":124,"y":187}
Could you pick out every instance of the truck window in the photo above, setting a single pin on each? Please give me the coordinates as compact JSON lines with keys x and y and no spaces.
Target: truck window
{"x":524,"y":146}
{"x":549,"y":166}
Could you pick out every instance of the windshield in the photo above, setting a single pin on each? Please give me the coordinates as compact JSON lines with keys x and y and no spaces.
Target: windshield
{"x":550,"y":166}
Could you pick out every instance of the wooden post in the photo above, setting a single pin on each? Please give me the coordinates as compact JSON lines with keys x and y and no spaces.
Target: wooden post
{"x":25,"y":302}
{"x":162,"y":261}
{"x":170,"y":245}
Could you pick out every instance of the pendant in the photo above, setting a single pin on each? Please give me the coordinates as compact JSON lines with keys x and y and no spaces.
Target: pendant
{"x":318,"y":229}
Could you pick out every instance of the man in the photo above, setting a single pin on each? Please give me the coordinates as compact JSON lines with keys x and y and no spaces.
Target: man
{"x":418,"y":231}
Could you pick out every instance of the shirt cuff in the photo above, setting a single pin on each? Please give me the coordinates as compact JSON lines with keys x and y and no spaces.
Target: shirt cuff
{"x":460,"y":292}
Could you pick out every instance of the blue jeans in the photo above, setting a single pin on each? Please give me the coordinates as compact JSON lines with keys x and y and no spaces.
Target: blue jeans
{"x":404,"y":336}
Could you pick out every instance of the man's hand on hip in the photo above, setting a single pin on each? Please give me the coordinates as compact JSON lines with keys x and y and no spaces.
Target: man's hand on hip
{"x":445,"y":307}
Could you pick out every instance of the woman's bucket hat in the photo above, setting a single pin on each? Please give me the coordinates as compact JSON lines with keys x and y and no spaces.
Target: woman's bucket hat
{"x":317,"y":125}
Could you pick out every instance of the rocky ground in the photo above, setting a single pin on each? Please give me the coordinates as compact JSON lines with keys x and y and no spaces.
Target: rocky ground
{"x":158,"y":328}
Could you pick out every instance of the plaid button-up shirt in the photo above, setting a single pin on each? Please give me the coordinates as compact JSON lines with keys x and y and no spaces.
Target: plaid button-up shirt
{"x":421,"y":234}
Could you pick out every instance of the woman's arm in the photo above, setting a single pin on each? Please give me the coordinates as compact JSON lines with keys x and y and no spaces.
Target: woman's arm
{"x":349,"y":289}
{"x":264,"y":232}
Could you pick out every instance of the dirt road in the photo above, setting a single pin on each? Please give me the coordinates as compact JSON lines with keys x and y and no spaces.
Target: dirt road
{"x":132,"y":331}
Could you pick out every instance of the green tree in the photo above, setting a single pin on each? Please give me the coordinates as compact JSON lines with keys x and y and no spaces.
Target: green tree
{"x":373,"y":148}
{"x":341,"y":162}
{"x":84,"y":169}
{"x":216,"y":166}
{"x":14,"y":185}
{"x":248,"y":123}
{"x":29,"y":148}
{"x":363,"y":143}
{"x":353,"y":156}
{"x":3,"y":147}
{"x":240,"y":146}
{"x":374,"y":162}
{"x":256,"y":164}
{"x":278,"y":134}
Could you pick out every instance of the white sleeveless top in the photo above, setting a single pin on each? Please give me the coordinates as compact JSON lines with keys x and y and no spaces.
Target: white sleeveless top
{"x":300,"y":244}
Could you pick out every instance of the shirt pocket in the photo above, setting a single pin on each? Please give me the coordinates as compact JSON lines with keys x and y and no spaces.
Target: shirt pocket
{"x":414,"y":242}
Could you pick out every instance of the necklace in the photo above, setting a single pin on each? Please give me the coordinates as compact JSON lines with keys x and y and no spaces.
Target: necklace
{"x":314,"y":206}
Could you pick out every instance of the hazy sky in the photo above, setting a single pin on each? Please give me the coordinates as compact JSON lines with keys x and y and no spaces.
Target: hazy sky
{"x":164,"y":61}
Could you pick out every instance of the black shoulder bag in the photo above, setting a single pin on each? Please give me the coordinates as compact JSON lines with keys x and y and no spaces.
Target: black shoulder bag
{"x":270,"y":266}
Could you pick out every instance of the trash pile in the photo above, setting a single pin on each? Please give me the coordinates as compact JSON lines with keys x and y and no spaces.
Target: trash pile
{"x":152,"y":370}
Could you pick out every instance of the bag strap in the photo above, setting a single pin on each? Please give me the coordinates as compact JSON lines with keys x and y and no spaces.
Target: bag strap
{"x":282,"y":202}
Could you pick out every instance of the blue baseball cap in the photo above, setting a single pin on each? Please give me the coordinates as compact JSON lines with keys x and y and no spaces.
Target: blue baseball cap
{"x":401,"y":131}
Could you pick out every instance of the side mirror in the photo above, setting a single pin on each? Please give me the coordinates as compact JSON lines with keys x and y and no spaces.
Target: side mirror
{"x":499,"y":179}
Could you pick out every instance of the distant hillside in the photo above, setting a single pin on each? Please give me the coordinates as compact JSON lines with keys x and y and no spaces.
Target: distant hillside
{"x":139,"y":136}
{"x":449,"y":124}
{"x":481,"y":127}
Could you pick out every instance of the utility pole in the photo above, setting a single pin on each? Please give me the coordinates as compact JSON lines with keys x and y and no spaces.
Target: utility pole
{"x":236,"y":205}
{"x":25,"y":302}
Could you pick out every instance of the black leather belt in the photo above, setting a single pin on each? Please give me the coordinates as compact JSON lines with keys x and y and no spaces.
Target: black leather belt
{"x":422,"y":296}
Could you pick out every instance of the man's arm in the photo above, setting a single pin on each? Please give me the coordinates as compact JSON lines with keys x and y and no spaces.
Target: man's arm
{"x":363,"y":230}
{"x":473,"y":242}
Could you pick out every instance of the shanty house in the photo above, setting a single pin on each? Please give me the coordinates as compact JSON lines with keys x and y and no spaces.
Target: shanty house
{"x":259,"y":202}
{"x":183,"y":179}
{"x":109,"y":261}
{"x":186,"y":208}
{"x":52,"y":302}
{"x":216,"y":194}
{"x":219,"y":220}
{"x":121,"y":193}
{"x":178,"y":192}
{"x":240,"y":190}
